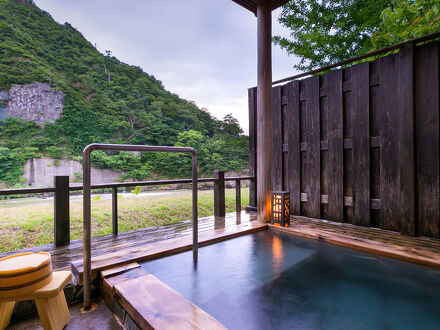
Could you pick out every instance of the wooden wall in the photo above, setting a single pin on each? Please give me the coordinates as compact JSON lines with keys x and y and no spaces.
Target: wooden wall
{"x":361,"y":144}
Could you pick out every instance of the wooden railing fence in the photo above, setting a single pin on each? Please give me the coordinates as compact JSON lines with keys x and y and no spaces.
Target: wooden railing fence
{"x":62,"y":189}
{"x":361,"y":144}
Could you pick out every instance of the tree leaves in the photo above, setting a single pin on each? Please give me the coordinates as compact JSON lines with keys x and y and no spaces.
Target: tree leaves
{"x":326,"y":32}
{"x":405,"y":20}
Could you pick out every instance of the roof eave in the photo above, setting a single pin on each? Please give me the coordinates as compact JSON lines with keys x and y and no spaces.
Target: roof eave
{"x":251,"y":5}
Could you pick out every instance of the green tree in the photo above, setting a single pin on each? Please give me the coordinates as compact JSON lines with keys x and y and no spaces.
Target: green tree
{"x":230,"y":126}
{"x":405,"y":20}
{"x":134,"y":107}
{"x":10,"y":166}
{"x":329,"y":31}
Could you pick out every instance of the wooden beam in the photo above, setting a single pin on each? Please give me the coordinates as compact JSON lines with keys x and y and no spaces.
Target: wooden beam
{"x":264,"y":110}
{"x":154,"y":305}
{"x":251,"y":5}
{"x":219,"y":194}
{"x":253,"y":146}
{"x":61,"y":211}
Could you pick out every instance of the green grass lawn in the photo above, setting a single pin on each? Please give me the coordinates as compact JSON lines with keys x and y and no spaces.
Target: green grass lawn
{"x":27,"y":226}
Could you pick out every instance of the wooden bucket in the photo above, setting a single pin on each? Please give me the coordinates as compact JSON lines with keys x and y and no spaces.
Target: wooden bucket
{"x":23,"y":273}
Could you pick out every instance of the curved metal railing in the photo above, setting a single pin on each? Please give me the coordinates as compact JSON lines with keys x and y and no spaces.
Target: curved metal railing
{"x":87,"y":201}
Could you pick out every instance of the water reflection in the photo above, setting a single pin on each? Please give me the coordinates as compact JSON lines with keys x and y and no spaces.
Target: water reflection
{"x":219,"y":222}
{"x":277,"y":254}
{"x":237,"y":218}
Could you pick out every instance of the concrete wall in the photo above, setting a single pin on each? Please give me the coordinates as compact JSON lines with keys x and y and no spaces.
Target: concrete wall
{"x":40,"y":172}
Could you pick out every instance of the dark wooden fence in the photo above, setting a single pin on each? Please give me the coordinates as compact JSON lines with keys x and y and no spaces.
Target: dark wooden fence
{"x":61,"y":191}
{"x":361,"y":144}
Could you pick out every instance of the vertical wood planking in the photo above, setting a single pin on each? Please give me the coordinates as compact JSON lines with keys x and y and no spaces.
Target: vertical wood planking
{"x":285,"y":142}
{"x":361,"y":144}
{"x":313,"y":154}
{"x":294,"y":155}
{"x":323,"y":137}
{"x":392,"y":103}
{"x":252,"y":94}
{"x":277,"y":140}
{"x":389,"y":143}
{"x":426,"y":92}
{"x":375,"y":124}
{"x":406,"y":140}
{"x":335,"y":147}
{"x":349,"y":108}
{"x":303,"y":139}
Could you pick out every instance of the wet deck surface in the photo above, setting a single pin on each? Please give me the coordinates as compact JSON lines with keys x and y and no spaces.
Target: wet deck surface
{"x":219,"y":230}
{"x":63,"y":256}
{"x":408,"y":248}
{"x":101,"y":318}
{"x":418,"y":250}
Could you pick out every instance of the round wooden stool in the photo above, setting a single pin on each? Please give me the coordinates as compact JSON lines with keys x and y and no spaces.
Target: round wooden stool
{"x":29,"y":276}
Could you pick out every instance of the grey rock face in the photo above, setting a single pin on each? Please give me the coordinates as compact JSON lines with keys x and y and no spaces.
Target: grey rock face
{"x":36,"y":102}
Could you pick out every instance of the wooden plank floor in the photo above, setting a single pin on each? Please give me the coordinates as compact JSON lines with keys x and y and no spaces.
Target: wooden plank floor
{"x":162,"y":248}
{"x":419,"y":250}
{"x":413,"y":249}
{"x":63,"y":256}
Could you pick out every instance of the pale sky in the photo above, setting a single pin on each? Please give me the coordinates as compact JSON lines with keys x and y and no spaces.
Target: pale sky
{"x":202,"y":50}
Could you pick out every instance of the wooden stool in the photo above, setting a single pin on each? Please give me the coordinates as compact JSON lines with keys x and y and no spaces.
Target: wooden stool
{"x":29,"y":276}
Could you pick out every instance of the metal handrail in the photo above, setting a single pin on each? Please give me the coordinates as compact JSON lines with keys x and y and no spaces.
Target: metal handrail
{"x":87,"y":201}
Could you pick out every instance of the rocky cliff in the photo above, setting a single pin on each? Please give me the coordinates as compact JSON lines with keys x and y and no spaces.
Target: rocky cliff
{"x":36,"y":101}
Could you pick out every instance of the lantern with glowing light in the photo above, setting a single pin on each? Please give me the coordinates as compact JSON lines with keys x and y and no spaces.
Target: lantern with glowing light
{"x":280,"y":207}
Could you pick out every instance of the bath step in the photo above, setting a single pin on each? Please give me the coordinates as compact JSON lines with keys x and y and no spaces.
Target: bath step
{"x":152,"y":304}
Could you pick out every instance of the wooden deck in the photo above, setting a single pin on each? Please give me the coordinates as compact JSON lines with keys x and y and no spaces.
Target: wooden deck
{"x":418,"y":250}
{"x":63,"y":256}
{"x":228,"y":228}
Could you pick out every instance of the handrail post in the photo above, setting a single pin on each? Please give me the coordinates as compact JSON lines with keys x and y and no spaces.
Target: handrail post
{"x":237,"y":196}
{"x":115,"y":210}
{"x":61,"y":211}
{"x":195,"y":208}
{"x":219,"y":194}
{"x":87,"y":231}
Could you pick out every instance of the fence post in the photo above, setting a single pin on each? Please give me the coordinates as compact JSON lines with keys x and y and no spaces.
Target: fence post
{"x":115,"y":210}
{"x":61,"y":211}
{"x":219,"y":194}
{"x":237,"y":196}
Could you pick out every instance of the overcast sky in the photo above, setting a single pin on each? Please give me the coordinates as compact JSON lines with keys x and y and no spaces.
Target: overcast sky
{"x":202,"y":50}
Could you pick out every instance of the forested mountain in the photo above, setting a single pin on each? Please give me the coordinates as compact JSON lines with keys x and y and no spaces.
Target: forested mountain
{"x":106,"y":101}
